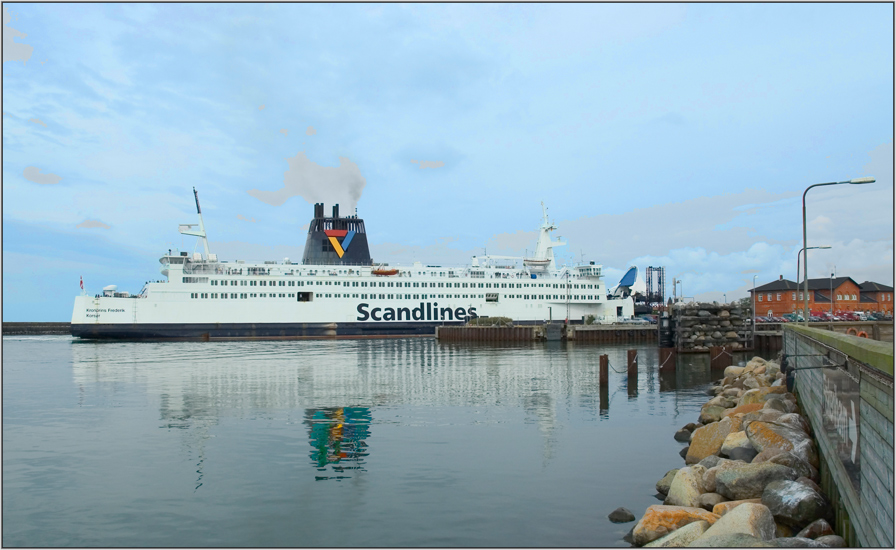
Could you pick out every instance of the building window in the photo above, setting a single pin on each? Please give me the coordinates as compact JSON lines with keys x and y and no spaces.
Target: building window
{"x":853,"y":296}
{"x":839,"y":297}
{"x":769,"y":297}
{"x":778,"y":298}
{"x":760,"y":297}
{"x":793,"y":296}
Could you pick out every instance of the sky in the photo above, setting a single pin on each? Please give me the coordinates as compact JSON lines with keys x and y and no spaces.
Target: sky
{"x":674,"y":135}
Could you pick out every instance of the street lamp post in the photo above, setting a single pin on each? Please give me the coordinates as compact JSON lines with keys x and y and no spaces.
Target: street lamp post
{"x":806,"y":313}
{"x":832,"y":296}
{"x":753,"y":314}
{"x":855,"y":181}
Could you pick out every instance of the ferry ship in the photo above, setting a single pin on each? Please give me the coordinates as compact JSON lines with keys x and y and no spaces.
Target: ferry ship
{"x":338,"y":291}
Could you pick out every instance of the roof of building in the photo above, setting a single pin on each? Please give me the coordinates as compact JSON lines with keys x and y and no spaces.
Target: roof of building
{"x":780,"y":284}
{"x":823,"y":283}
{"x":869,"y":286}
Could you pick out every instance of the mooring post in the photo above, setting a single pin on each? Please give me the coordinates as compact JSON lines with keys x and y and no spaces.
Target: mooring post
{"x":719,"y":357}
{"x":632,"y":382}
{"x":604,"y":370}
{"x":668,"y":357}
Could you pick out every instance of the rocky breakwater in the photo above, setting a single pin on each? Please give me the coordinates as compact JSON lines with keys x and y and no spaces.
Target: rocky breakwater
{"x":750,"y":475}
{"x":700,"y":326}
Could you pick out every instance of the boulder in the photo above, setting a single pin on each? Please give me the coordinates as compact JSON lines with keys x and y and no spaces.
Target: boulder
{"x":710,"y":462}
{"x":795,"y":542}
{"x":750,"y":480}
{"x":621,"y":515}
{"x":724,"y":507}
{"x":682,"y":435}
{"x":748,"y":518}
{"x":783,"y":530}
{"x":793,"y":503}
{"x":709,"y":477}
{"x":708,"y":501}
{"x":817,"y":528}
{"x":662,"y":486}
{"x":734,"y":440}
{"x":736,"y":540}
{"x":831,"y":541}
{"x":758,"y":395}
{"x":745,"y":454}
{"x":767,"y":454}
{"x":743,"y":409}
{"x":660,"y":520}
{"x":684,"y":452}
{"x":680,"y":537}
{"x":803,"y":468}
{"x":766,"y":434}
{"x":733,"y":371}
{"x":795,"y":421}
{"x":762,"y":415}
{"x":708,"y":440}
{"x":754,"y":362}
{"x":686,"y":488}
{"x":733,"y":393}
{"x":710,"y":414}
{"x":779,"y":404}
{"x":809,"y":483}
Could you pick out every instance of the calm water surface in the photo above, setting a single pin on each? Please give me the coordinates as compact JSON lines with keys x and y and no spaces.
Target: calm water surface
{"x":404,"y":442}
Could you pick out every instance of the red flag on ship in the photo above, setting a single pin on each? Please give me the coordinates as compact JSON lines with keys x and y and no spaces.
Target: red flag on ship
{"x":82,"y":282}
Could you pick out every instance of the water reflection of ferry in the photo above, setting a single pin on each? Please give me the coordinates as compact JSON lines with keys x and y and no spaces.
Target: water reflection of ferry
{"x":338,"y":438}
{"x":337,"y":290}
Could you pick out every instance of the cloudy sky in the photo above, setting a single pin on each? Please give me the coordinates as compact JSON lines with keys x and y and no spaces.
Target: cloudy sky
{"x":656,"y":134}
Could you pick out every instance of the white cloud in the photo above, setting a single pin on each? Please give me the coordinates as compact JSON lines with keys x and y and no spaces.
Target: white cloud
{"x":32,"y":173}
{"x":428,"y":163}
{"x":12,"y":50}
{"x":90,"y":224}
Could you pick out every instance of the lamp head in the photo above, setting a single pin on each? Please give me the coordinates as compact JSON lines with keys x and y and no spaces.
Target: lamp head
{"x":859,"y":181}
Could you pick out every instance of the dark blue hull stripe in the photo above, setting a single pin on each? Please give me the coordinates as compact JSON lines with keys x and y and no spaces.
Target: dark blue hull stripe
{"x":259,"y":331}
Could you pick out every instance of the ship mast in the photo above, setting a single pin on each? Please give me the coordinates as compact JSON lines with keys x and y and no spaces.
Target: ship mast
{"x":186,"y":228}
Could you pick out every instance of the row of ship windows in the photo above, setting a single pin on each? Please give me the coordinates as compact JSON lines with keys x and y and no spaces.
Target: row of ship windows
{"x":238,"y":295}
{"x":384,"y":284}
{"x":304,"y":296}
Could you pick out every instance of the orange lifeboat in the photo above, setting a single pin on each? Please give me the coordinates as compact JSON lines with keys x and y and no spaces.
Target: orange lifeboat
{"x":383,"y":272}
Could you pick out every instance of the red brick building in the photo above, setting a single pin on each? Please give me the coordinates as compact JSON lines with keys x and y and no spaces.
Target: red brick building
{"x":876,"y":297}
{"x":836,"y":294}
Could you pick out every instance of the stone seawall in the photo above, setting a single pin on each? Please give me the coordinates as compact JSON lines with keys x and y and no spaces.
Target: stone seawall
{"x":699,"y":326}
{"x":750,"y":475}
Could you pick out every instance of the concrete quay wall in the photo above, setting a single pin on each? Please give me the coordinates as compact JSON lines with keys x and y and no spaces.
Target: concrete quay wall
{"x":845,"y":388}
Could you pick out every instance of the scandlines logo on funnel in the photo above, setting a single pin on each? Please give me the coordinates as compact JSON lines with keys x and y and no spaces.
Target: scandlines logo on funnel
{"x":340,"y":246}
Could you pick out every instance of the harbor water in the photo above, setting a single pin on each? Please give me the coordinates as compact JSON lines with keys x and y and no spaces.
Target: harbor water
{"x":393,"y":442}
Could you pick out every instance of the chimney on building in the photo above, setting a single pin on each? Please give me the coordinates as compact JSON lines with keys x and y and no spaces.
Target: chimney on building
{"x":780,"y":277}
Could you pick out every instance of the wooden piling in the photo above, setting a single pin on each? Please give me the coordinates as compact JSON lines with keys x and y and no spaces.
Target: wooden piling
{"x":633,"y":363}
{"x":604,"y":371}
{"x":668,"y":358}
{"x":719,"y":357}
{"x":632,"y":373}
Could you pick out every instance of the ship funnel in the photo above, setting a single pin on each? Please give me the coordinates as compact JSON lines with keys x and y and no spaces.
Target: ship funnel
{"x":335,"y":241}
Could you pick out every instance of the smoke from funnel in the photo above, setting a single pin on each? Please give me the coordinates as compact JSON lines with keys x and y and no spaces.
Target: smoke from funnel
{"x":341,"y":184}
